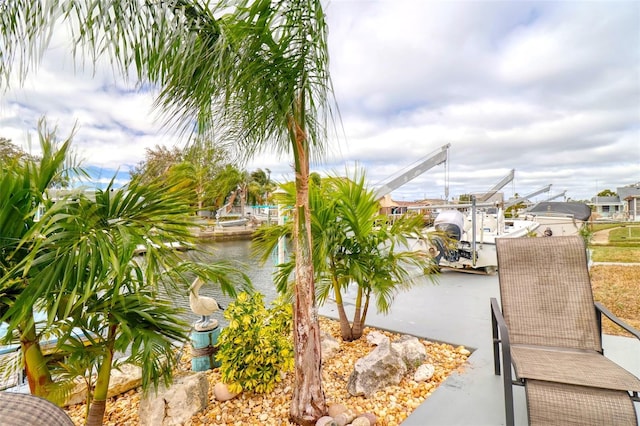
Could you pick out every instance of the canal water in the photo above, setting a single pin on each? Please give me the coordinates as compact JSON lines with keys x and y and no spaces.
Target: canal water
{"x":238,"y":252}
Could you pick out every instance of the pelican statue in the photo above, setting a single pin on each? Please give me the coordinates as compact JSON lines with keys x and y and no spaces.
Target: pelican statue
{"x":203,"y":305}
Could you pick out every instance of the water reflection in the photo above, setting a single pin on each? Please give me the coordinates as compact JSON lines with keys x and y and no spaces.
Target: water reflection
{"x":238,"y":252}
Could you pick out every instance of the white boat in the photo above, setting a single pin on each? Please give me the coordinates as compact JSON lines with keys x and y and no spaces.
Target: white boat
{"x":558,"y":218}
{"x":468,"y":242}
{"x":235,"y":222}
{"x":174,"y":245}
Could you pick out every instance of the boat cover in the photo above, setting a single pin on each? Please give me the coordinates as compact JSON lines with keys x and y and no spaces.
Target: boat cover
{"x":577,"y":210}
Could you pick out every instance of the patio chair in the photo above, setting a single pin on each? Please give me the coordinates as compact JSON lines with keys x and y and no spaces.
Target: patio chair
{"x":549,"y":329}
{"x":21,"y":409}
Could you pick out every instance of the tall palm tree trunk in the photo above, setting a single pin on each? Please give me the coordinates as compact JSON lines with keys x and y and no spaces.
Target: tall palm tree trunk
{"x":37,"y":372}
{"x":308,"y":402}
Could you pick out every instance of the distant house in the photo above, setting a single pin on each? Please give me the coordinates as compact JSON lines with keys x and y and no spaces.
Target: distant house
{"x":630,"y":196}
{"x":393,"y":208}
{"x":624,"y":206}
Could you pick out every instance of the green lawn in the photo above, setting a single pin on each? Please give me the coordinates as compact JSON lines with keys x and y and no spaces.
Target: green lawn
{"x":615,"y":254}
{"x":625,"y":234}
{"x":617,"y":287}
{"x":623,"y":245}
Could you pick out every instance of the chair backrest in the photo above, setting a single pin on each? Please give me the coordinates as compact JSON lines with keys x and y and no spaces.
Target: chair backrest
{"x":546,"y":293}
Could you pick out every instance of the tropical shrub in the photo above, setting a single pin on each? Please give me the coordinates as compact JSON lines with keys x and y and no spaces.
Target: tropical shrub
{"x":257,"y":344}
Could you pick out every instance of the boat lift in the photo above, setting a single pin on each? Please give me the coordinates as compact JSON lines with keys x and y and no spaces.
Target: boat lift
{"x":553,"y":197}
{"x":497,"y":187}
{"x":421,"y":166}
{"x":515,"y":201}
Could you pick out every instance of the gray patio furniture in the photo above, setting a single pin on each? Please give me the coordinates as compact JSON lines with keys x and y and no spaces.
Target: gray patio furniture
{"x":20,"y":409}
{"x":549,"y":329}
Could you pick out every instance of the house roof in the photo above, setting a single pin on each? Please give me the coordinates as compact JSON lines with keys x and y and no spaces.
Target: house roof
{"x":606,"y":200}
{"x":630,"y":191}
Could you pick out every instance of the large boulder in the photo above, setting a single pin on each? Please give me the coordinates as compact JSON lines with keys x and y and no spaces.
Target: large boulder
{"x":175,"y":405}
{"x":382,"y":367}
{"x":411,"y":350}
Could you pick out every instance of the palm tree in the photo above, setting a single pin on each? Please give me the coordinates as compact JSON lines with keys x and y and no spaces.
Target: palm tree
{"x":258,"y":187}
{"x":83,"y":273}
{"x":24,"y":184}
{"x":229,"y":184}
{"x":76,"y":265}
{"x":117,"y":304}
{"x":258,"y":74}
{"x":202,"y":162}
{"x":353,"y":243}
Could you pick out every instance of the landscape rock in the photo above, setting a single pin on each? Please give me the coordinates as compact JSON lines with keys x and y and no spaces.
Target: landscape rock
{"x":424,"y":372}
{"x":411,"y":349}
{"x":222,"y":393}
{"x":382,"y":367}
{"x":326,"y":421}
{"x":375,"y":338}
{"x":329,"y":346}
{"x":335,"y":409}
{"x":361,"y":421}
{"x":123,"y":379}
{"x":345,"y":418}
{"x":372,"y":418}
{"x":175,"y":405}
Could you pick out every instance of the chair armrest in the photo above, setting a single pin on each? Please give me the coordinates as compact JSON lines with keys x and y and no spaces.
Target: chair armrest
{"x":601,"y":309}
{"x":501,"y":341}
{"x":500,"y":335}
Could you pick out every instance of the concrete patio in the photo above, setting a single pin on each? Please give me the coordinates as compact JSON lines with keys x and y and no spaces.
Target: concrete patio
{"x":456,"y":310}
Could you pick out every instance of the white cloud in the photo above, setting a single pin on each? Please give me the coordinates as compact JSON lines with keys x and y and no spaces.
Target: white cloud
{"x":551,"y":89}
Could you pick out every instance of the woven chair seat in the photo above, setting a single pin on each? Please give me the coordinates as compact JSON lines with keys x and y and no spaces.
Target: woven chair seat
{"x":568,"y":405}
{"x":576,"y":367}
{"x":20,"y":409}
{"x":547,"y":326}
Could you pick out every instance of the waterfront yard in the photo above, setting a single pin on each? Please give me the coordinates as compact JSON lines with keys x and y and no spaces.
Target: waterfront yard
{"x":615,"y":286}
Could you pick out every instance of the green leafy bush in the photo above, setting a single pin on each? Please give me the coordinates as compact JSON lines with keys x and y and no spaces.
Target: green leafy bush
{"x":257,"y":345}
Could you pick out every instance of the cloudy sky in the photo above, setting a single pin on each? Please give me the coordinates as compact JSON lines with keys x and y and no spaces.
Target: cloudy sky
{"x":550,"y":89}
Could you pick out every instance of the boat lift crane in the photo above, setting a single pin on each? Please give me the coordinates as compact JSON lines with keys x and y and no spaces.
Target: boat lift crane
{"x":515,"y":201}
{"x":553,"y":197}
{"x":487,"y":195}
{"x":422,"y":166}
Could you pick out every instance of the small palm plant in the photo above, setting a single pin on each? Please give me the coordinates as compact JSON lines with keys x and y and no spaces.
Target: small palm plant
{"x":24,"y":184}
{"x":77,"y":265}
{"x":353,"y":244}
{"x":94,"y":282}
